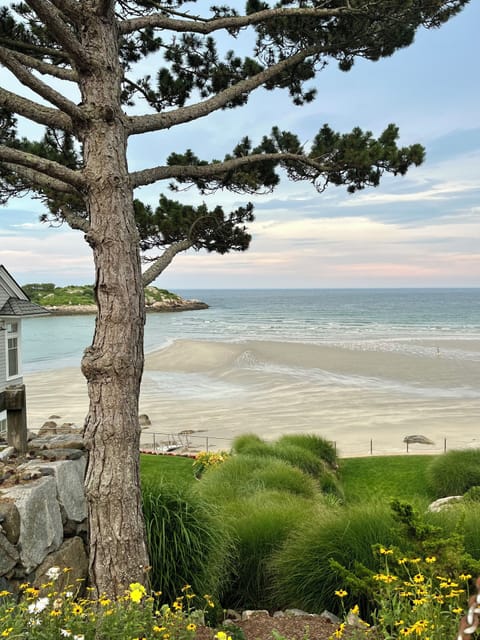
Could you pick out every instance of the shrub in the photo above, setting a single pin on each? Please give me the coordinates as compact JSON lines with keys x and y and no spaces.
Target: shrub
{"x":245,"y":442}
{"x":322,"y":448}
{"x":300,"y":457}
{"x":454,"y":472}
{"x":188,"y":540}
{"x":303,"y":573}
{"x":242,"y":475}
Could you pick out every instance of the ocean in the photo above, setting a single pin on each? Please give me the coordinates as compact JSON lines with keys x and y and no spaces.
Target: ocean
{"x":364,"y":367}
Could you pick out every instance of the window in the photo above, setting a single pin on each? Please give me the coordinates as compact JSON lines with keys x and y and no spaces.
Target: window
{"x":13,"y":359}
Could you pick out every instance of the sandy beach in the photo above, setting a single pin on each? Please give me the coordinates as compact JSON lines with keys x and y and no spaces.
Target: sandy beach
{"x":366,"y":401}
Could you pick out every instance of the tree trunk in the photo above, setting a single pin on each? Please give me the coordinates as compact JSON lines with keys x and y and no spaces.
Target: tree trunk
{"x":113,"y":365}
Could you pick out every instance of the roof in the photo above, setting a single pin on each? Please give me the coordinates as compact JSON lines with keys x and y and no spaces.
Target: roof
{"x":17,"y":303}
{"x":14,"y":307}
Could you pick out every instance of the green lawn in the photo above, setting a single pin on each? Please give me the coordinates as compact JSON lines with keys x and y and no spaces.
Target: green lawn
{"x":174,"y":469}
{"x":400,"y":477}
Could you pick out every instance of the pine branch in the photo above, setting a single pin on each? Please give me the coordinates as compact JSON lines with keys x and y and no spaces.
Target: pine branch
{"x":231,"y":23}
{"x":46,"y":167}
{"x":45,"y":68}
{"x":29,"y":80}
{"x":64,"y":36}
{"x":40,"y":180}
{"x":218,"y":169}
{"x":162,"y":262}
{"x":34,"y":111}
{"x":159,"y":121}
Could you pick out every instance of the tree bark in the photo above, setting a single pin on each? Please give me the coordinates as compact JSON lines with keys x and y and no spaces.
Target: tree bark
{"x":113,"y":365}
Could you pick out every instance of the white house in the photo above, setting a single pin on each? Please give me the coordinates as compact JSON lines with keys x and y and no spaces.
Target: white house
{"x":14,"y":306}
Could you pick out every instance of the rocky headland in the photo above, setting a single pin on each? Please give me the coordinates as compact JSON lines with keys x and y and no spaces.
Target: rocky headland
{"x":80,"y":299}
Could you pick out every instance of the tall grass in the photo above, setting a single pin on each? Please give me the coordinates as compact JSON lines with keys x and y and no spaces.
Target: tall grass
{"x":263,"y":522}
{"x":303,"y":575}
{"x":189,"y":541}
{"x":454,"y":472}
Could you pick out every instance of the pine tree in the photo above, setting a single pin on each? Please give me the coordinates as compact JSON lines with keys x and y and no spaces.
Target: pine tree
{"x":90,"y":49}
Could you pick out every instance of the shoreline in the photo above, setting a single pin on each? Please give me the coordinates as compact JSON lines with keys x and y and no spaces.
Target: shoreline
{"x":367,"y":402}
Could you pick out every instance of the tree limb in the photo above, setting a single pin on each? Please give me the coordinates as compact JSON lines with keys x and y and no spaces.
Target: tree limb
{"x":42,"y":165}
{"x":45,"y":68}
{"x":162,"y":262}
{"x":40,"y":179}
{"x":67,"y":7}
{"x":74,"y":221}
{"x":29,"y":80}
{"x":53,"y":21}
{"x":159,"y":121}
{"x":36,"y":112}
{"x":161,"y":21}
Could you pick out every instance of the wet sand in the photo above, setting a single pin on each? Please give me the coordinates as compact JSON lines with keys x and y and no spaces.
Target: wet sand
{"x":366,"y":398}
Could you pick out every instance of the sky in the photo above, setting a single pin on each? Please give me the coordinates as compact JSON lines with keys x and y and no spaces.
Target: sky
{"x":420,"y":230}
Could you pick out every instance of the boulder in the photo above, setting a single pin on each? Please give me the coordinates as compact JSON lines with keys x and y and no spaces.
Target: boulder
{"x":144,"y":420}
{"x":69,"y":475}
{"x":41,"y":529}
{"x":8,"y":555}
{"x":441,"y":503}
{"x":71,"y":555}
{"x":9,"y":520}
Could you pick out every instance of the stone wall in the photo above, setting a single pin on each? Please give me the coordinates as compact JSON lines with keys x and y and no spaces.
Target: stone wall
{"x":43,"y":511}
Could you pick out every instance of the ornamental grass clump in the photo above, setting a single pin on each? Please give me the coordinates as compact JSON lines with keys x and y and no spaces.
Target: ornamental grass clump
{"x":413,"y":600}
{"x":47,"y":614}
{"x":453,"y":473}
{"x":189,"y":541}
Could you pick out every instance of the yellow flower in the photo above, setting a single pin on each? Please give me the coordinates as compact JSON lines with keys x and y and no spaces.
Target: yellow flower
{"x":221,"y":635}
{"x":55,"y":612}
{"x":355,"y":610}
{"x":339,"y":632}
{"x":465,"y":576}
{"x":341,"y":593}
{"x":105,"y":602}
{"x":418,"y":579}
{"x":137,"y":592}
{"x":158,"y":629}
{"x":77,"y":609}
{"x":385,"y":552}
{"x":4,"y":593}
{"x":191,"y":627}
{"x":177,"y":605}
{"x":430,"y":559}
{"x":402,"y":560}
{"x":457,"y":611}
{"x":6,"y":632}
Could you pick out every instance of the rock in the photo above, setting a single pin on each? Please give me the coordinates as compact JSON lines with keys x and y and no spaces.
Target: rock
{"x":69,"y":477}
{"x":10,"y":520}
{"x":60,"y":454}
{"x":248,"y":613}
{"x":6,"y":453}
{"x":441,"y":503}
{"x":41,"y":531}
{"x":331,"y":617}
{"x":71,"y":555}
{"x":66,"y":441}
{"x":8,"y":555}
{"x":144,"y":420}
{"x":417,"y":440}
{"x":54,"y":417}
{"x":297,"y":612}
{"x":48,"y":428}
